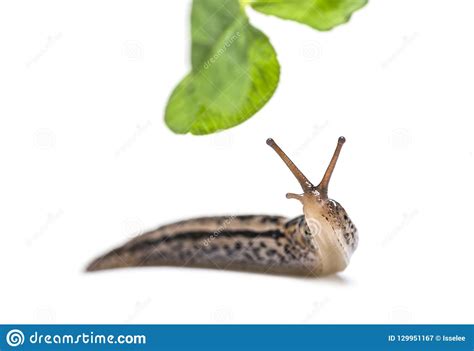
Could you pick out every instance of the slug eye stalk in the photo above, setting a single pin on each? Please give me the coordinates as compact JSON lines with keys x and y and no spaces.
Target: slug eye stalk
{"x":306,"y":185}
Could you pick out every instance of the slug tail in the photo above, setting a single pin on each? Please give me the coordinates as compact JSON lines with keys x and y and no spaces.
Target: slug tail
{"x":116,"y":258}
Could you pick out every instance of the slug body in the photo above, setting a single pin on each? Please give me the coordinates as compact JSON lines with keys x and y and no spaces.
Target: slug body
{"x":319,"y":242}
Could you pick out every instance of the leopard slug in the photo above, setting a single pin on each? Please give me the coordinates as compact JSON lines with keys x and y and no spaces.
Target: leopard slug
{"x":319,"y":242}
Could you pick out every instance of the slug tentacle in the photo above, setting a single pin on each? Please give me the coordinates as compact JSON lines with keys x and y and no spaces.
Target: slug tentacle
{"x":324,"y":184}
{"x":306,"y":185}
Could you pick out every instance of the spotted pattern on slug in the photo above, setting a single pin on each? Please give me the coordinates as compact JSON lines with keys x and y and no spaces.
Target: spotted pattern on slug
{"x":275,"y":249}
{"x":340,"y":219}
{"x":319,"y":242}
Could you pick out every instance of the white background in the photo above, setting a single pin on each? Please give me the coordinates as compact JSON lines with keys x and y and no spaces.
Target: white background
{"x":87,"y":162}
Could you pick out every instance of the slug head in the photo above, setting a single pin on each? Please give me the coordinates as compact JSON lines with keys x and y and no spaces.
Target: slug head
{"x":327,"y":220}
{"x":319,"y":193}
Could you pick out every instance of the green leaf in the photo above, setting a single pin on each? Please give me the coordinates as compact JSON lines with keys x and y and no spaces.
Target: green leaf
{"x":234,"y":73}
{"x":320,"y":14}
